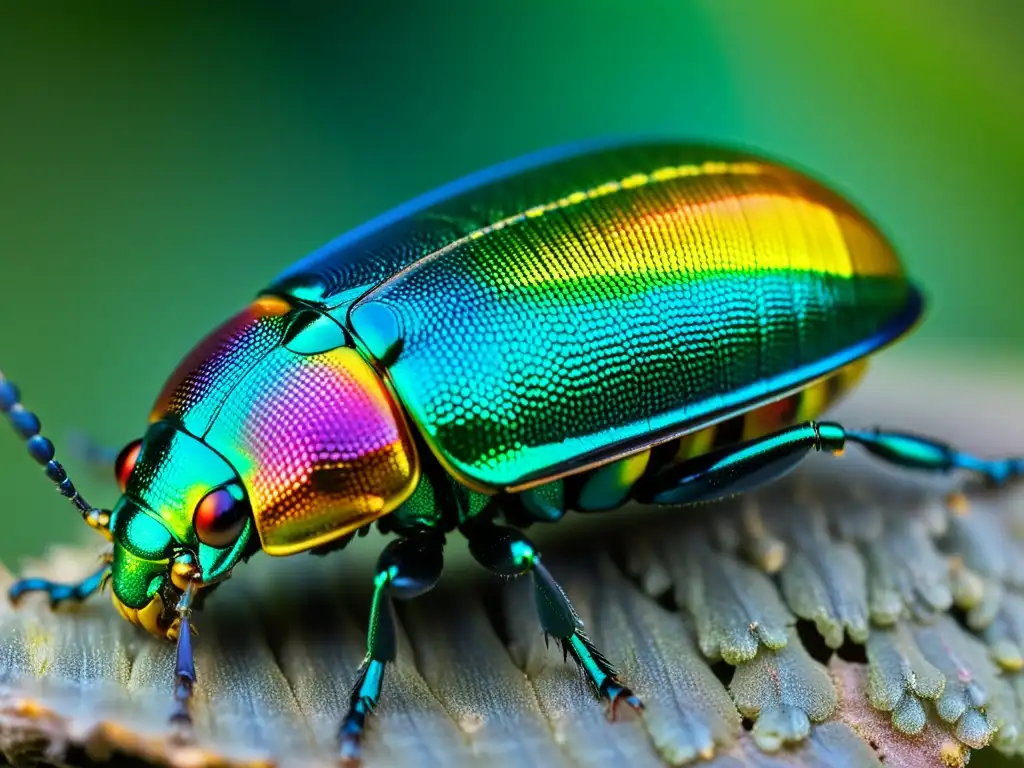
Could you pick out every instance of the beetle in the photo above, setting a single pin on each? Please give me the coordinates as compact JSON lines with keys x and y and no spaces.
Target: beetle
{"x":652,"y":322}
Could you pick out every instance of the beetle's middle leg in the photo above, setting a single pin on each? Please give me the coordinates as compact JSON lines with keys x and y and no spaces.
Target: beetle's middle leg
{"x":507,"y":552}
{"x":407,"y":568}
{"x":60,"y":594}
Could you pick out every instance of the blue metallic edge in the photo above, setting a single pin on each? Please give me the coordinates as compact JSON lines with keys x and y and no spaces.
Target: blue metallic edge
{"x":473,"y":181}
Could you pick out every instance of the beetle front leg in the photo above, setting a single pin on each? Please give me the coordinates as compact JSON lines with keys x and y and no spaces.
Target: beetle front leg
{"x":406,"y":568}
{"x":184,"y":667}
{"x":507,"y":552}
{"x":60,"y":594}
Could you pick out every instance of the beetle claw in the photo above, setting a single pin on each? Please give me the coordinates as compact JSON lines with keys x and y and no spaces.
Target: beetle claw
{"x":350,"y":753}
{"x":614,"y":693}
{"x":182,"y":732}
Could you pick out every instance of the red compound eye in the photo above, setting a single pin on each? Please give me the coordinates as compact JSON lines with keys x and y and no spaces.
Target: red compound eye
{"x":221,"y":515}
{"x":125,"y":463}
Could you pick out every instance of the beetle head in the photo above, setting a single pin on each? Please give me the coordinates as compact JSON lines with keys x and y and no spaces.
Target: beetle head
{"x":272,"y":434}
{"x":184,"y":516}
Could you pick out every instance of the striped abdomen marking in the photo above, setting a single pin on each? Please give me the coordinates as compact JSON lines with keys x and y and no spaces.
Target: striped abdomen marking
{"x":610,"y":486}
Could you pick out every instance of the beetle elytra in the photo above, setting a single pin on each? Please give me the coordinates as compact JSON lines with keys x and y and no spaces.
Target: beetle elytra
{"x":651,"y":322}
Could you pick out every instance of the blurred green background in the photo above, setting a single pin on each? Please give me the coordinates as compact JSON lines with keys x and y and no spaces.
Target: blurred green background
{"x":161,"y":162}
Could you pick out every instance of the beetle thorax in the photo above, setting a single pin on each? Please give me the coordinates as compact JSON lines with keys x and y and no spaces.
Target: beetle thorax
{"x":316,"y":438}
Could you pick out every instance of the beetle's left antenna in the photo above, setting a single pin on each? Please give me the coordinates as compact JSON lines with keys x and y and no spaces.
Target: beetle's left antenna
{"x":40,"y":448}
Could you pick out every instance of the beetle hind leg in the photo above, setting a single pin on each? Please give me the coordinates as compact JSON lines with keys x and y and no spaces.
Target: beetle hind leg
{"x":747,"y":465}
{"x":918,"y":452}
{"x":59,"y":593}
{"x":506,"y":552}
{"x":406,"y":568}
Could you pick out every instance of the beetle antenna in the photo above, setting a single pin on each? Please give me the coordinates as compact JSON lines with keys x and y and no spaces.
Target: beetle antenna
{"x":27,"y":424}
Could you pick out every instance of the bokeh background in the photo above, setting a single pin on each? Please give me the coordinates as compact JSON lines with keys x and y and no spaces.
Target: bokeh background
{"x":159,"y":163}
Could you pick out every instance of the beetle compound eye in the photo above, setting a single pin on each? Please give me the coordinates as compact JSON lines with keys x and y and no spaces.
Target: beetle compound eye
{"x":221,"y":515}
{"x":125,"y":463}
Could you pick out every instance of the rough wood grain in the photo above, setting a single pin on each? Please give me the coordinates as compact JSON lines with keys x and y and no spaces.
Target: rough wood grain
{"x":714,"y":615}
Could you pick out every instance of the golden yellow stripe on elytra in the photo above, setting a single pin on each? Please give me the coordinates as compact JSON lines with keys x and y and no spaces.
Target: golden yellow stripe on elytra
{"x":629,"y":182}
{"x":757,"y":231}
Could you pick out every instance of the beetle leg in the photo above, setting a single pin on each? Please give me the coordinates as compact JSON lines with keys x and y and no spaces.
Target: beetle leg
{"x":507,"y":552}
{"x":60,"y":594}
{"x":741,"y":467}
{"x":919,"y":452}
{"x":407,"y":568}
{"x":184,"y":667}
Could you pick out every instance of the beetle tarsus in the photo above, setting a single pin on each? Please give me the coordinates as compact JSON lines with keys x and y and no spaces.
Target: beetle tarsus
{"x":58,"y":593}
{"x":351,"y":736}
{"x":182,"y":732}
{"x":614,"y":693}
{"x":1004,"y":471}
{"x":507,"y":552}
{"x":184,"y":669}
{"x":364,"y":699}
{"x":600,"y":673}
{"x":925,"y":453}
{"x":406,"y":568}
{"x":181,"y":724}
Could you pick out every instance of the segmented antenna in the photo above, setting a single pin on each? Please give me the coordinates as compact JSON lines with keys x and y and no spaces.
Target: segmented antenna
{"x":40,"y":448}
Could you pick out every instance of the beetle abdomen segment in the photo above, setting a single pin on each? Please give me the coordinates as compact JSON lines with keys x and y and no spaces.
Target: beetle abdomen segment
{"x":621,"y":315}
{"x":611,"y":485}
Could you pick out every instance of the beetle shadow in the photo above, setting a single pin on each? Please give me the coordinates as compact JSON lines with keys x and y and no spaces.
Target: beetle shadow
{"x":327,"y":598}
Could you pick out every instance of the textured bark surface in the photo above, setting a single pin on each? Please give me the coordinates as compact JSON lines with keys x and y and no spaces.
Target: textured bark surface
{"x":809,"y":624}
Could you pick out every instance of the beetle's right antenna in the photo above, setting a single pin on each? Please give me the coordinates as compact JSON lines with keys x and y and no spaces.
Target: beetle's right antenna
{"x":40,"y":448}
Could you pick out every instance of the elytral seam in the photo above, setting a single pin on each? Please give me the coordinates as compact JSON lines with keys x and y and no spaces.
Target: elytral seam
{"x":661,"y":175}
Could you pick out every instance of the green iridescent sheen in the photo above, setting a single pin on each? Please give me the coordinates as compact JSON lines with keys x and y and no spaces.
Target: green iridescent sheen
{"x":135,"y":576}
{"x":568,"y":309}
{"x":421,"y":509}
{"x":215,"y":562}
{"x":334,"y":276}
{"x":173,"y":473}
{"x":530,"y":379}
{"x":606,"y":488}
{"x":154,"y":517}
{"x":141,"y":532}
{"x":545,"y":502}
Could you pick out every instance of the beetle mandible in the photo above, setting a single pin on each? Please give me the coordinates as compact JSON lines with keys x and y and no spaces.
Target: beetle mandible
{"x":651,"y":322}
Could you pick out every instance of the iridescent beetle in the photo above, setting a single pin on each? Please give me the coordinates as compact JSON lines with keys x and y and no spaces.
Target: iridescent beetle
{"x":653,"y":322}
